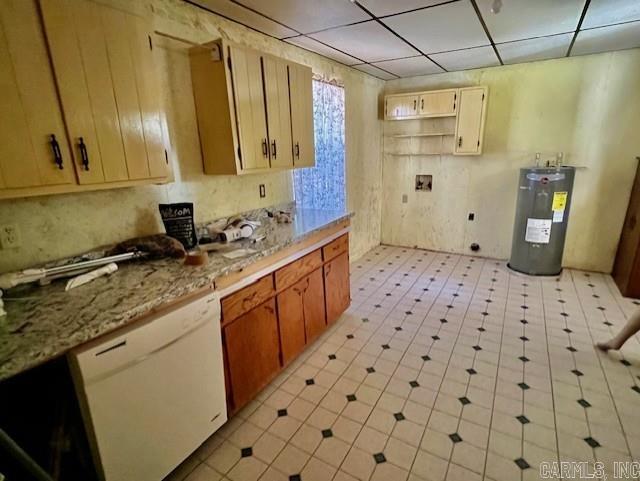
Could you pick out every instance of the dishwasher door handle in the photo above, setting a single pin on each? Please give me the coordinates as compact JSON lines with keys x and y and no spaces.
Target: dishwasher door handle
{"x":92,"y":380}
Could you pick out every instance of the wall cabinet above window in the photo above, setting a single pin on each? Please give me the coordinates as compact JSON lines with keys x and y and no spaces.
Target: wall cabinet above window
{"x":255,"y":111}
{"x":80,"y":105}
{"x":465,"y":108}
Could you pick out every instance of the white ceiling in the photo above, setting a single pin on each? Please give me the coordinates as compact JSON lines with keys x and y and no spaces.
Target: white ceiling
{"x":405,"y":38}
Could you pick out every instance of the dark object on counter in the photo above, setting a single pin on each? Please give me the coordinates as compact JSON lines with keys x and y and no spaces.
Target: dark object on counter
{"x":158,"y":245}
{"x":178,"y":222}
{"x":281,"y":216}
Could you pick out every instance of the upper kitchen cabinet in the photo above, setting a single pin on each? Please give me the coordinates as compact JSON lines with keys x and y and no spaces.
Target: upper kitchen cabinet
{"x":438,"y":103}
{"x":398,"y":107}
{"x":301,"y":95}
{"x":34,"y":150}
{"x":470,"y":122}
{"x":102,"y":59}
{"x":449,"y":122}
{"x":80,"y":105}
{"x":254,"y":110}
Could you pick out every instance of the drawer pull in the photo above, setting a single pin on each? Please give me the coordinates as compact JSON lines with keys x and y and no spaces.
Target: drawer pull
{"x":264,"y":148}
{"x":57,"y":155}
{"x":84,"y":154}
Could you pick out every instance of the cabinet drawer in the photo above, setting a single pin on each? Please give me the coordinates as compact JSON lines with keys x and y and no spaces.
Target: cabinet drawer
{"x":289,"y":274}
{"x":335,"y":248}
{"x":238,"y":303}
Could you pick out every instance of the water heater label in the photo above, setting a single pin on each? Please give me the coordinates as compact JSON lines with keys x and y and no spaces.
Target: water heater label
{"x":558,"y":205}
{"x":538,"y":231}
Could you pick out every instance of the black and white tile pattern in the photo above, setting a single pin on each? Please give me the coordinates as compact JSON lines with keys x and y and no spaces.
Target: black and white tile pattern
{"x":392,"y":392}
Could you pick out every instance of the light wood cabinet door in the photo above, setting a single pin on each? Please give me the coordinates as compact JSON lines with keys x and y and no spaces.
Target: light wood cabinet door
{"x":470,"y":121}
{"x":102,"y":60}
{"x":34,"y":149}
{"x":301,"y":95}
{"x":276,"y":87}
{"x":438,"y":103}
{"x":252,"y":351}
{"x":401,"y":106}
{"x":250,"y":108}
{"x":336,"y":287}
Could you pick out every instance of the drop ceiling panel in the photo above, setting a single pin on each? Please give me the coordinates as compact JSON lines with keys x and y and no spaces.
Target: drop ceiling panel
{"x":520,"y":19}
{"x":410,"y":67}
{"x":309,"y":15}
{"x":369,"y":41}
{"x":467,"y":59}
{"x":446,"y":27}
{"x":388,"y":7}
{"x":608,"y":12}
{"x":604,"y":39}
{"x":246,"y":17}
{"x":315,"y":46}
{"x":375,"y":71}
{"x":535,"y":48}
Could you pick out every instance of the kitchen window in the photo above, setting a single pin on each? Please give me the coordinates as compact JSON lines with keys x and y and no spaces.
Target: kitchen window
{"x":323,"y":186}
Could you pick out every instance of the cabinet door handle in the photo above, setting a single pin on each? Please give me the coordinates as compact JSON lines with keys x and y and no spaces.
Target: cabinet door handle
{"x":265,"y":153}
{"x":421,"y":104}
{"x":415,"y":104}
{"x":298,"y":150}
{"x":327,"y":270}
{"x":57,"y":155}
{"x":273,"y":147}
{"x":460,"y":141}
{"x":84,"y":155}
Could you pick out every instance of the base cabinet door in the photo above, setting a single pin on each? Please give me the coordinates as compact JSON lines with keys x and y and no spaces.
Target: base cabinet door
{"x":313,"y":303}
{"x":336,"y":286}
{"x":301,"y":315}
{"x":252,"y":349}
{"x":291,"y":321}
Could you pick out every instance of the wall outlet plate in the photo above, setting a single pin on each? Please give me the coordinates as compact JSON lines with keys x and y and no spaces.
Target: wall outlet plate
{"x":10,"y":236}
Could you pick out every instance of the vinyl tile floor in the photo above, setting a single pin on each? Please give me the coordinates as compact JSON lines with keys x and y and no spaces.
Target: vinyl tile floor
{"x":445,"y":367}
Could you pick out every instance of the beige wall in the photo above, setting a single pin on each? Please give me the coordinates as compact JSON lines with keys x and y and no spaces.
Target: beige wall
{"x":587,"y":107}
{"x":57,"y":226}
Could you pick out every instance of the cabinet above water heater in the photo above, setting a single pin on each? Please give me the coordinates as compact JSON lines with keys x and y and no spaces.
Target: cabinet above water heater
{"x":466,"y":109}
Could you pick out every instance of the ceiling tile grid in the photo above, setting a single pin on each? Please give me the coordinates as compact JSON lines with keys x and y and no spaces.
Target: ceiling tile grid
{"x":404,"y":38}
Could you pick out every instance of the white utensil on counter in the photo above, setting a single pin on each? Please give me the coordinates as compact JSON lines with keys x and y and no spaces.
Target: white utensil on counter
{"x":89,"y":276}
{"x":13,"y":279}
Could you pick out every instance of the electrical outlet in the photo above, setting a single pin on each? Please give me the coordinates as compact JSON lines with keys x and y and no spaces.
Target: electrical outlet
{"x":472,"y":216}
{"x":405,"y":198}
{"x":263,"y":191}
{"x":9,"y":236}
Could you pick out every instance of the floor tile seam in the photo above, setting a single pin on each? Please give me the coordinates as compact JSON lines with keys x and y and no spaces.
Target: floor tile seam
{"x":493,"y":408}
{"x":364,"y":423}
{"x":438,"y":390}
{"x":615,"y":406}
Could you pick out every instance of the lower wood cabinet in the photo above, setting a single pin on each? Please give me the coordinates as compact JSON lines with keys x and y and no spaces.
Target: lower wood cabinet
{"x":301,"y":315}
{"x":252,"y":352}
{"x":337,"y":292}
{"x":267,"y":324}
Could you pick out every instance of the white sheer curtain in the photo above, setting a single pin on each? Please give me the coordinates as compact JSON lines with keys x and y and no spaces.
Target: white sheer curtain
{"x":323,"y":186}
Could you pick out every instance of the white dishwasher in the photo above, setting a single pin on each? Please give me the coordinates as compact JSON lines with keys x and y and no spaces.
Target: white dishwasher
{"x":152,"y":392}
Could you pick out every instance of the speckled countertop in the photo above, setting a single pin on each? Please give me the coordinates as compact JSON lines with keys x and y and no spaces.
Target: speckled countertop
{"x":48,"y":321}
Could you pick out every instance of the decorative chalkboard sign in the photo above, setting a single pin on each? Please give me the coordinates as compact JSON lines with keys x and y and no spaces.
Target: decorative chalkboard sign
{"x":178,"y":222}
